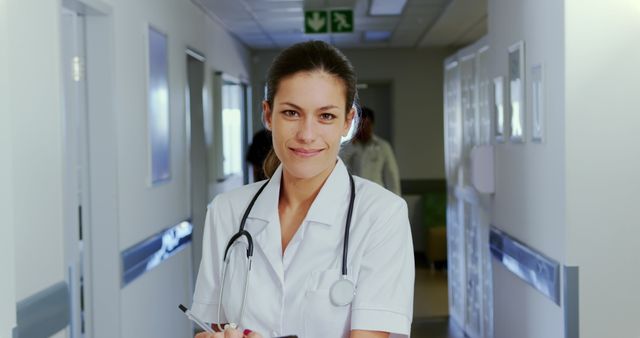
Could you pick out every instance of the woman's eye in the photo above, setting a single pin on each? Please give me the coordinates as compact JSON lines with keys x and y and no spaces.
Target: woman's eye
{"x":290,"y":113}
{"x":327,"y":116}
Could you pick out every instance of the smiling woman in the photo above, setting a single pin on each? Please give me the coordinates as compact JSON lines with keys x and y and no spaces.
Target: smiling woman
{"x":329,"y":254}
{"x":307,"y":129}
{"x":329,"y":74}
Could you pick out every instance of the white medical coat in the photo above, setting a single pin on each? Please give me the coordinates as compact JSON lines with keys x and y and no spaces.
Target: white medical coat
{"x":289,"y":293}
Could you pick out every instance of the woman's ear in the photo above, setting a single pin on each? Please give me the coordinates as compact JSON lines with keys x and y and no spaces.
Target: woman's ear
{"x":266,"y":114}
{"x":349,"y":121}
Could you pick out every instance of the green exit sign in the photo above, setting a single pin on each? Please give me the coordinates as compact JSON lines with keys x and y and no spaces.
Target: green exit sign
{"x":315,"y":22}
{"x":342,"y":21}
{"x":319,"y":21}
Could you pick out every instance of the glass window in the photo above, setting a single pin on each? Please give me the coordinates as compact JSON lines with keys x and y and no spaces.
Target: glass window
{"x":232,"y":129}
{"x":158,"y":114}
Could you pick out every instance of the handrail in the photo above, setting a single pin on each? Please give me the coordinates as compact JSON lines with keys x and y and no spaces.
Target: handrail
{"x":534,"y":268}
{"x":44,"y":313}
{"x":149,"y":253}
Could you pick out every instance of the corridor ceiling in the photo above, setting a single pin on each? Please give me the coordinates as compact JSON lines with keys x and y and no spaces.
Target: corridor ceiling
{"x":274,"y":24}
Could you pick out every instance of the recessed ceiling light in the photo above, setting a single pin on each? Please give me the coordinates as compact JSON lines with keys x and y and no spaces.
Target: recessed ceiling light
{"x":386,"y":7}
{"x":280,"y":10}
{"x":376,"y":36}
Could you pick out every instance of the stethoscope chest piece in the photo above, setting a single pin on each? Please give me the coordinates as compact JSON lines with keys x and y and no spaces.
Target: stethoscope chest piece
{"x":342,"y":292}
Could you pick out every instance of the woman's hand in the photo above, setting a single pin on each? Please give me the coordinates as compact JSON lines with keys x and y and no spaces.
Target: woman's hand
{"x":229,"y":333}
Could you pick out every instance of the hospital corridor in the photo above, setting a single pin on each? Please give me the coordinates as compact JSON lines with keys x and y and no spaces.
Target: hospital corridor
{"x":480,"y":181}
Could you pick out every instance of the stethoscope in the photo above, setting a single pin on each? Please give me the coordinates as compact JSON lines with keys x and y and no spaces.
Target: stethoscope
{"x":342,"y":291}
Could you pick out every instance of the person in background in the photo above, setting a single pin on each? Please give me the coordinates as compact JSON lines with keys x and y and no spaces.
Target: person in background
{"x":258,"y":151}
{"x":371,"y":157}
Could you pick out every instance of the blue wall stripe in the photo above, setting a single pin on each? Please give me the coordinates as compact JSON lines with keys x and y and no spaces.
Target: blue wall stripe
{"x":525,"y":262}
{"x":149,"y":253}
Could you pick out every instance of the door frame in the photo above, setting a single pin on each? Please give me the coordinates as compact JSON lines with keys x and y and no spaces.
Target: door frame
{"x":391,"y":113}
{"x":192,"y":55}
{"x":101,"y":263}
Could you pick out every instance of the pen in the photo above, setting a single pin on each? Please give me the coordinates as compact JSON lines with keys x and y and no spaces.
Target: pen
{"x":204,"y":326}
{"x":195,"y":319}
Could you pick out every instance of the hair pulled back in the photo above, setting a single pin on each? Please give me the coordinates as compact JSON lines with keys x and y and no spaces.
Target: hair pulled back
{"x":308,"y":57}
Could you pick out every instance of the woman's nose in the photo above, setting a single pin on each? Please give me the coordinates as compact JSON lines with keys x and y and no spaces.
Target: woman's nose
{"x":306,"y":131}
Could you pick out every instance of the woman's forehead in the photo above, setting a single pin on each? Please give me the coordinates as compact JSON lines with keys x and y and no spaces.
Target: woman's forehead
{"x":311,"y":89}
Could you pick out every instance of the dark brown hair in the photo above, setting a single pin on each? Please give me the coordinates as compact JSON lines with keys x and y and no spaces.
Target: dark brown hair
{"x":307,"y":57}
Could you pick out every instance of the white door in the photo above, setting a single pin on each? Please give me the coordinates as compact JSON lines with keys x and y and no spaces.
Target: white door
{"x":197,"y":152}
{"x":469,"y":210}
{"x":483,"y":213}
{"x":76,"y":180}
{"x":455,"y":226}
{"x":467,"y":124}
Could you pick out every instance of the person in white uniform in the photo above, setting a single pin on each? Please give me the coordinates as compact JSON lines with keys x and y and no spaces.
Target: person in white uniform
{"x":331,"y":254}
{"x":371,"y":157}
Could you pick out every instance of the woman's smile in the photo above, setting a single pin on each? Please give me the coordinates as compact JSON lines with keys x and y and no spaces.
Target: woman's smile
{"x":306,"y":152}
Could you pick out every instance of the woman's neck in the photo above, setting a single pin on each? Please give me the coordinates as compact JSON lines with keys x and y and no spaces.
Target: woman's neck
{"x":301,"y":192}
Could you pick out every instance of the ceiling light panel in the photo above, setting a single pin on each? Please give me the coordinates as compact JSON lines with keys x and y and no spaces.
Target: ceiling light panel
{"x":289,"y":7}
{"x":386,"y":7}
{"x":282,"y":10}
{"x":376,"y":36}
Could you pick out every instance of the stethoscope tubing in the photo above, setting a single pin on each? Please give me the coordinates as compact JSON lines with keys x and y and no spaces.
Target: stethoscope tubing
{"x":242,"y":232}
{"x":345,"y":249}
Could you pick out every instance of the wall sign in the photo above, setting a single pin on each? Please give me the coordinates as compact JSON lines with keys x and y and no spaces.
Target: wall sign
{"x":537,"y":104}
{"x":517,"y":92}
{"x":498,"y":108}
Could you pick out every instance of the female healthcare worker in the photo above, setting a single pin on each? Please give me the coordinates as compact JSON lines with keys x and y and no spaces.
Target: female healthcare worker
{"x":313,"y":251}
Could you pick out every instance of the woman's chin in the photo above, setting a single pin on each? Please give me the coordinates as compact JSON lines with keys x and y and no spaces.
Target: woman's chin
{"x":307,"y":169}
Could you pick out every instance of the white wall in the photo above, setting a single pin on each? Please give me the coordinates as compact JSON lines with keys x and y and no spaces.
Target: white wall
{"x":7,"y":284}
{"x":603,"y":162}
{"x":151,"y":300}
{"x":149,"y":305}
{"x":224,"y":52}
{"x":145,"y":210}
{"x":36,"y":106}
{"x":34,"y":148}
{"x":529,"y":201}
{"x":417,"y":78}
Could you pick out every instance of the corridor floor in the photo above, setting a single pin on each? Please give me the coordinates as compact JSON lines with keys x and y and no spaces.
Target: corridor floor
{"x":431,"y":304}
{"x":435,"y":328}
